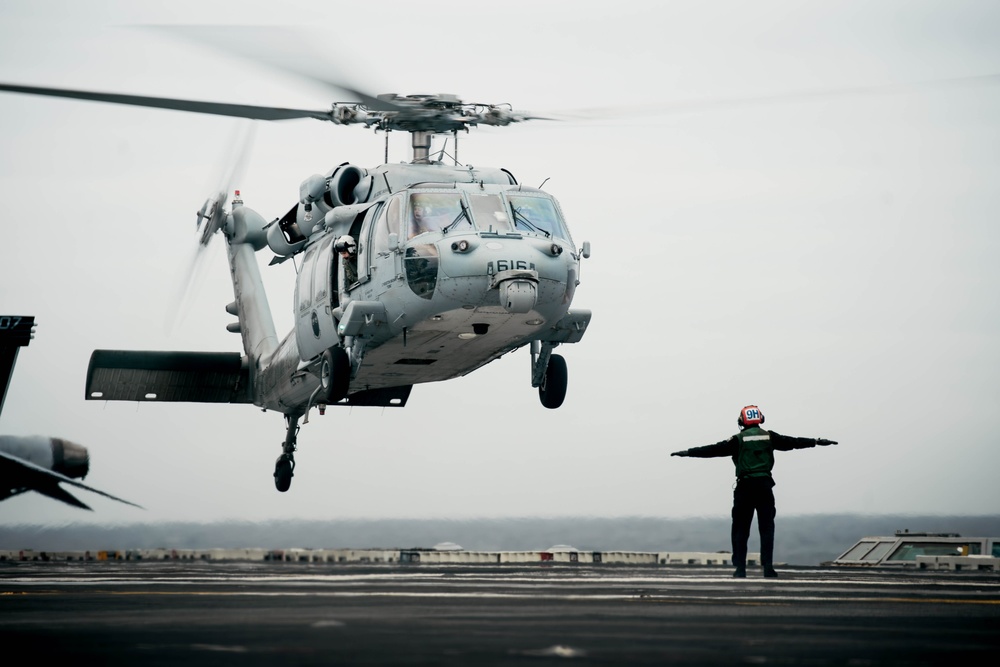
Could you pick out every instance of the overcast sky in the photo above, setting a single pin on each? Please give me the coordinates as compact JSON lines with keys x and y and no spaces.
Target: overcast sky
{"x":828,"y":255}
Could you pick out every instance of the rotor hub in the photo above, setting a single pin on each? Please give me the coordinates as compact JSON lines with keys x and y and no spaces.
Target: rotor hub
{"x":435,"y":114}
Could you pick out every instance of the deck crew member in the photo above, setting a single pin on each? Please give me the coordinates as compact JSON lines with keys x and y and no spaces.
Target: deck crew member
{"x":752,"y":450}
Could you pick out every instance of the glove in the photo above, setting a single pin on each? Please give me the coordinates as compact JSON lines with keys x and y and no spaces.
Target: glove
{"x":822,"y":442}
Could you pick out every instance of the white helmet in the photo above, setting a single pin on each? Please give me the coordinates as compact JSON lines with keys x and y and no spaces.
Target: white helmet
{"x":345,"y":244}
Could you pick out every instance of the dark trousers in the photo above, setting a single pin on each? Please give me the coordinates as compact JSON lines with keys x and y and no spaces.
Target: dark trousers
{"x":753,"y":495}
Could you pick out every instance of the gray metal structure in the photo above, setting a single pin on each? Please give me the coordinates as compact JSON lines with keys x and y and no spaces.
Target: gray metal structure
{"x":36,"y":462}
{"x":456,"y":266}
{"x":906,"y":549}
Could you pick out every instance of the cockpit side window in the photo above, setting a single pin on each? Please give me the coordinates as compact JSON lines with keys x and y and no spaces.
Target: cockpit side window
{"x":434,"y":211}
{"x":490,"y":213}
{"x":304,"y":283}
{"x":537,"y":215}
{"x":386,"y":223}
{"x":324,"y":282}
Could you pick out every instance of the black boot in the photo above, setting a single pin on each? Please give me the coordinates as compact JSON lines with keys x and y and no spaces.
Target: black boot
{"x":740,"y":573}
{"x":770,"y":572}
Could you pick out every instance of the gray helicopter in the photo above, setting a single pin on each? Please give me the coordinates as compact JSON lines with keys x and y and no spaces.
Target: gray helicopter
{"x":406,"y":273}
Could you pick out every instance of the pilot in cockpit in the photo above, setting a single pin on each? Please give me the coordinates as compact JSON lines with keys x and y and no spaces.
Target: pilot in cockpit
{"x":427,"y":219}
{"x":433,"y":212}
{"x":421,"y":219}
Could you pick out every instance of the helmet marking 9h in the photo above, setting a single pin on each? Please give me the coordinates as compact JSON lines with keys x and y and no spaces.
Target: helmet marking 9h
{"x":750,"y":416}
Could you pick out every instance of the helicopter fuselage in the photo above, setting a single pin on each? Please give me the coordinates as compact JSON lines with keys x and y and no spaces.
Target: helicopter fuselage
{"x":455,"y":267}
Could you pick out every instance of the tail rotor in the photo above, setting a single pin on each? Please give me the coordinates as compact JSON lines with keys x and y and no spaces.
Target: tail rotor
{"x":211,"y":217}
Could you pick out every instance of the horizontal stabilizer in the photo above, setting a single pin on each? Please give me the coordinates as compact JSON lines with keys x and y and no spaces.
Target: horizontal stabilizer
{"x":179,"y":377}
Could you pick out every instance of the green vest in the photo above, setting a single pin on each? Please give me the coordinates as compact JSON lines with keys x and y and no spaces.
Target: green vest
{"x":755,"y":456}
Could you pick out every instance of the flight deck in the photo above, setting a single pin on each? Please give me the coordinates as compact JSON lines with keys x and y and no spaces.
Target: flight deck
{"x":219,"y":612}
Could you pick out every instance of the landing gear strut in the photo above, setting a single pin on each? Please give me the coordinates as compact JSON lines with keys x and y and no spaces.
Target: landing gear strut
{"x":285,"y":465}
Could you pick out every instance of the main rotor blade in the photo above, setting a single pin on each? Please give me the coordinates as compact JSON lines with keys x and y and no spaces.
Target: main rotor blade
{"x":216,"y":108}
{"x":282,"y":49}
{"x":724,"y":103}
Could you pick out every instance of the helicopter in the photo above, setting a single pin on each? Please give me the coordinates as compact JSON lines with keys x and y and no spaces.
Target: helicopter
{"x":406,"y":273}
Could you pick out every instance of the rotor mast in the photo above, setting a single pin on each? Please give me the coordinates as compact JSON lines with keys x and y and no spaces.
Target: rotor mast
{"x":420,"y":141}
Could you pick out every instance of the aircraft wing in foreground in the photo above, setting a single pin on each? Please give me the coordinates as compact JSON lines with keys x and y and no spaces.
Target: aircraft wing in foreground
{"x":37,"y":463}
{"x":18,"y":474}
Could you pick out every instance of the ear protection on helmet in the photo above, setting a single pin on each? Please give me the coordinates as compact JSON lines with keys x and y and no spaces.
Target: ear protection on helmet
{"x":750,"y":416}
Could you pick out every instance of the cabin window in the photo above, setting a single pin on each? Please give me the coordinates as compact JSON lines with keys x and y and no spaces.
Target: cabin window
{"x":879,"y":552}
{"x":434,"y":211}
{"x":490,"y":213}
{"x":537,"y":215}
{"x":858,"y":550}
{"x":910,"y":550}
{"x":421,"y":266}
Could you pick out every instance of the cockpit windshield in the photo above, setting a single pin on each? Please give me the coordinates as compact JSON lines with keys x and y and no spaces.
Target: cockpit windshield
{"x":434,"y":211}
{"x":536,"y":214}
{"x":490,"y":213}
{"x":448,"y":211}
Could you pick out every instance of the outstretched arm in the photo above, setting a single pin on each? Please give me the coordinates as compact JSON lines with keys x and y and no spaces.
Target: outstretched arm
{"x":786,"y":442}
{"x":723,"y":448}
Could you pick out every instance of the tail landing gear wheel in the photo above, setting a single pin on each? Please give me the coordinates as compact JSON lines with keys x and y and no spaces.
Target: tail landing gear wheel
{"x":283,"y":468}
{"x":335,"y":375}
{"x":552,"y":391}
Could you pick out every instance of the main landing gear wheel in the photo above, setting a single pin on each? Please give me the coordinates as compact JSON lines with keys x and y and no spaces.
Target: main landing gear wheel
{"x":284,"y":467}
{"x":552,"y":391}
{"x":334,"y":375}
